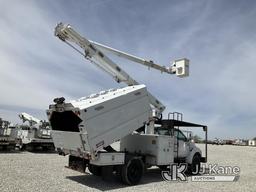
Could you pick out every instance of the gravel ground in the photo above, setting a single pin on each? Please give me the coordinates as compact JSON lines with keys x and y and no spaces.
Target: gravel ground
{"x":24,"y":171}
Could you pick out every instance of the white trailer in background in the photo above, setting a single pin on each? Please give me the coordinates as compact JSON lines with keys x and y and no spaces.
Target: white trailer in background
{"x":85,"y":128}
{"x":251,"y":142}
{"x":37,"y":134}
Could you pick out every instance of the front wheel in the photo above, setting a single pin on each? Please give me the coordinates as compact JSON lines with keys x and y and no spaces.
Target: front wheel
{"x":196,"y":165}
{"x":132,"y":172}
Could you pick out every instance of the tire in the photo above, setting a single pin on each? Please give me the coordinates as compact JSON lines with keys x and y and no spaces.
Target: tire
{"x":107,"y":172}
{"x":95,"y":170}
{"x":29,"y":147}
{"x":12,"y":147}
{"x":194,"y":168}
{"x":132,"y":171}
{"x":44,"y":148}
{"x":4,"y":148}
{"x":23,"y":147}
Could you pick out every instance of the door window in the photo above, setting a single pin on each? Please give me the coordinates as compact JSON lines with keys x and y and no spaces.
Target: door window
{"x":179,"y":135}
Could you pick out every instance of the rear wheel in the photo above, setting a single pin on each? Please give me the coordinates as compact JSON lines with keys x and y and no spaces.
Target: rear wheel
{"x":132,"y":172}
{"x":4,"y":147}
{"x":30,"y":147}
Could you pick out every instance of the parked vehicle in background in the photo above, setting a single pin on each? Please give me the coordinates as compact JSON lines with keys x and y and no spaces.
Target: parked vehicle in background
{"x":8,"y":135}
{"x":240,"y":142}
{"x":34,"y":135}
{"x":218,"y":141}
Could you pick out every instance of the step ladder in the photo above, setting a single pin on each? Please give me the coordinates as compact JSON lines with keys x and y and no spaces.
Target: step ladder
{"x":178,"y":117}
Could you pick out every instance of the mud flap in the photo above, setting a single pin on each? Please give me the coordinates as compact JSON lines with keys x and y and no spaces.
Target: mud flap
{"x":77,"y":163}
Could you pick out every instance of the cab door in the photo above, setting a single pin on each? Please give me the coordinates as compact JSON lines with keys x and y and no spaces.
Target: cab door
{"x":180,"y":142}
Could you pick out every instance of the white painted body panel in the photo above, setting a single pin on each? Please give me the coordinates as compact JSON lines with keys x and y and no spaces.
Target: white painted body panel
{"x":159,"y":149}
{"x":69,"y":140}
{"x":106,"y":117}
{"x":34,"y":135}
{"x":108,"y":158}
{"x":193,"y":149}
{"x":24,"y":136}
{"x":183,"y":149}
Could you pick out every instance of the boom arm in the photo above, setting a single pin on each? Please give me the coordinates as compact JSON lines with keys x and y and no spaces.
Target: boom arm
{"x":29,"y":118}
{"x":133,"y":58}
{"x":93,"y":52}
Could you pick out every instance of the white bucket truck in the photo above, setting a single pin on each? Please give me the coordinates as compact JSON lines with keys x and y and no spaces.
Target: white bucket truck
{"x":86,"y":128}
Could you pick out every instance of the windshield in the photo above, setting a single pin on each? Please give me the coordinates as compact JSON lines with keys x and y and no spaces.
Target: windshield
{"x":165,"y":131}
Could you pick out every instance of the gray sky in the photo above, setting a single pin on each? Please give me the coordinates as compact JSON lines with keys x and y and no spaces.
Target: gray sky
{"x":218,"y":36}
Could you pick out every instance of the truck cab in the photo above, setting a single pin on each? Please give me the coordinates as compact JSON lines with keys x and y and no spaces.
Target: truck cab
{"x":184,"y":148}
{"x":182,"y":143}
